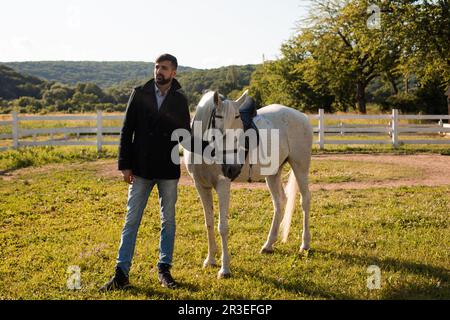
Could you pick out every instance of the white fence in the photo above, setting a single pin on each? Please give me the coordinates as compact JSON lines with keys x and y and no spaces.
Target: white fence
{"x":96,"y":134}
{"x":393,"y":129}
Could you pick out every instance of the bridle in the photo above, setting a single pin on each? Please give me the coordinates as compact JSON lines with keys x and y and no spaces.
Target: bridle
{"x":212,"y":125}
{"x":214,"y":116}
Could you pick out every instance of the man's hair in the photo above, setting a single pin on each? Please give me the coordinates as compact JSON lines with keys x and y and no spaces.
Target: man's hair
{"x":168,"y":57}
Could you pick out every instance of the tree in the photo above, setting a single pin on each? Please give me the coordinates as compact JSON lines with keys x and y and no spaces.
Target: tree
{"x":425,"y":26}
{"x":81,"y":99}
{"x":346,"y":50}
{"x":281,"y":82}
{"x":337,"y":54}
{"x":57,"y":92}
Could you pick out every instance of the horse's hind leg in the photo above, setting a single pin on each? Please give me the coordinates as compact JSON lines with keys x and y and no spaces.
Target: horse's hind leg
{"x":279,"y":202}
{"x":301,"y":174}
{"x":207,"y":201}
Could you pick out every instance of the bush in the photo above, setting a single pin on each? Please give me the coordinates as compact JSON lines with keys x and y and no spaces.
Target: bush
{"x":407,"y":103}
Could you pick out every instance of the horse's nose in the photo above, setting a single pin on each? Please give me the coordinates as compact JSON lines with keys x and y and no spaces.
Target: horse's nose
{"x":231,"y":171}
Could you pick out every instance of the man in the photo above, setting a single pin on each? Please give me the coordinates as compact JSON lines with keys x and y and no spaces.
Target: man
{"x":154,"y":111}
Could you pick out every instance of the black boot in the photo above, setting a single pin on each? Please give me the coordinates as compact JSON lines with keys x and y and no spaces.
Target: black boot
{"x":118,"y":282}
{"x":164,"y":276}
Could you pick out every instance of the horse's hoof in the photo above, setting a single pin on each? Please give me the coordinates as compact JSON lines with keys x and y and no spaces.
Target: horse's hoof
{"x":266,"y":251}
{"x":305,"y":251}
{"x":223,"y":275}
{"x":209,"y":264}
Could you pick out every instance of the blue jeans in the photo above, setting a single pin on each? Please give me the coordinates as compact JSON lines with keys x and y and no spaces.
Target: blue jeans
{"x":138,"y":194}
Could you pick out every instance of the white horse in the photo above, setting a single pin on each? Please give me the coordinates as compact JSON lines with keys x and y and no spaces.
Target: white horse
{"x":295,"y":143}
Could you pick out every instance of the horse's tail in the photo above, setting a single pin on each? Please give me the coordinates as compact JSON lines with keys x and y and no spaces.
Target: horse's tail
{"x":291,"y":190}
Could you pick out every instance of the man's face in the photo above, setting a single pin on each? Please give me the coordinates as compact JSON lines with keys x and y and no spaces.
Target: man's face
{"x":164,"y":72}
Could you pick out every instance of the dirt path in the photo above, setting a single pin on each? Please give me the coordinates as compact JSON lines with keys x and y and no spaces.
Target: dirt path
{"x":435,"y":169}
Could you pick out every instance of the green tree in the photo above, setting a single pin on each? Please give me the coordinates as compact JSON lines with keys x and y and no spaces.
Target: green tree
{"x":57,"y":92}
{"x":425,"y":26}
{"x":344,"y":53}
{"x":337,"y":54}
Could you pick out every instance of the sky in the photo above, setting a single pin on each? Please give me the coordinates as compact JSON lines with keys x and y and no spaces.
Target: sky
{"x":200,"y":33}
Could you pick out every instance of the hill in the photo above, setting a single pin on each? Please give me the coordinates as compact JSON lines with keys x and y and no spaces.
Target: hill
{"x":31,"y":94}
{"x":14,"y":84}
{"x":103,"y":73}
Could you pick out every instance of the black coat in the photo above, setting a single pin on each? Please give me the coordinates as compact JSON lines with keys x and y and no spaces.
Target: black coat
{"x":145,"y":140}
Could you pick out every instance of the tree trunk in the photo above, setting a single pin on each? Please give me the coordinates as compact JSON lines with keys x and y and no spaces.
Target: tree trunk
{"x":448,"y":100}
{"x":361,"y":97}
{"x":391,"y":80}
{"x":448,"y":105}
{"x":394,"y":87}
{"x":406,"y":85}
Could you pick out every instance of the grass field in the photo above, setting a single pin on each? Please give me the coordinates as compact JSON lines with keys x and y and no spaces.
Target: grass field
{"x":58,"y":216}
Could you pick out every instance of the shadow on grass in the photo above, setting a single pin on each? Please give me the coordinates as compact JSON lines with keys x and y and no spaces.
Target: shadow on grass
{"x":307,"y":288}
{"x":161,"y":293}
{"x":406,"y":290}
{"x":6,"y":171}
{"x":390,"y":264}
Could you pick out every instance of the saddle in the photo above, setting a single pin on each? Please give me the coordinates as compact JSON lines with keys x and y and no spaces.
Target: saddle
{"x":248,"y":112}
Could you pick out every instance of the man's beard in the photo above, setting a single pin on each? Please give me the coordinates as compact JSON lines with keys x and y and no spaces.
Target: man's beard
{"x":162,"y":81}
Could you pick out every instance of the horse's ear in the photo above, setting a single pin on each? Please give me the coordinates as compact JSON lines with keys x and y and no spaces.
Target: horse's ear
{"x":217,"y":101}
{"x":242,"y":98}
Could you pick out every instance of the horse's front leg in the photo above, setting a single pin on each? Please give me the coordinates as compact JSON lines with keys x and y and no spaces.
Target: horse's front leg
{"x":223,"y":191}
{"x":208,"y":209}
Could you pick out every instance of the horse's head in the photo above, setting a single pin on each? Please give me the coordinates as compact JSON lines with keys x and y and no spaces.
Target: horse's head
{"x":218,"y":114}
{"x":227,"y":112}
{"x":227,"y":120}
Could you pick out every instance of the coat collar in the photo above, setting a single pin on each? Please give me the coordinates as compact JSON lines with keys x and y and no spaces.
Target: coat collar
{"x":149,"y":86}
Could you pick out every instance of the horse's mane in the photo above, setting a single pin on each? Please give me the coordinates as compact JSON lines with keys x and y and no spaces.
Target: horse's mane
{"x":204,"y":109}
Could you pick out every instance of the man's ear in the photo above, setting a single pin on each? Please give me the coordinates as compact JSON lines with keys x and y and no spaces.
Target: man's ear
{"x":217,"y":101}
{"x":242,"y":98}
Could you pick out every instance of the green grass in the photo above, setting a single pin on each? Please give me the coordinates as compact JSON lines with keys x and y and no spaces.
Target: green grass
{"x":48,"y":124}
{"x":377,"y":149}
{"x":38,"y":156}
{"x":335,"y":171}
{"x":323,"y":170}
{"x":69,"y":215}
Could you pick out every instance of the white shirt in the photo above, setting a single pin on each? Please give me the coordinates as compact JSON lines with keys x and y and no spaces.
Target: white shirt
{"x":159,"y":97}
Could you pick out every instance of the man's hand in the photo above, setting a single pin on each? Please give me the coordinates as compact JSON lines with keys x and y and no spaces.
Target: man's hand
{"x":128,"y":176}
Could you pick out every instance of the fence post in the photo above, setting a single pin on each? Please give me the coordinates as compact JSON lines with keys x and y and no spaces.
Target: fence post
{"x":99,"y":130}
{"x":395,"y":128}
{"x":321,"y":129}
{"x":15,"y":129}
